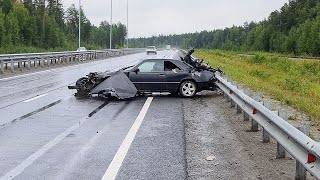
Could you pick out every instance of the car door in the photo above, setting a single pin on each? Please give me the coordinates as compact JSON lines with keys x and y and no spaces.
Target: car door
{"x":149,"y":76}
{"x":174,"y":75}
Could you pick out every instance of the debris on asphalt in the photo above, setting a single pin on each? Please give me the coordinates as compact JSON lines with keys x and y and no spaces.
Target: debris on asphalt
{"x":210,"y":158}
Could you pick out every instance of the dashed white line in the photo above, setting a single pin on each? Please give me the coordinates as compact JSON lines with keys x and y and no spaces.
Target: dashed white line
{"x":34,"y":98}
{"x":116,"y":163}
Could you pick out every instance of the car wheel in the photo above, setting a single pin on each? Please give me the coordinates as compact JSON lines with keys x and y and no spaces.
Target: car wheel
{"x":188,"y":89}
{"x":81,"y":83}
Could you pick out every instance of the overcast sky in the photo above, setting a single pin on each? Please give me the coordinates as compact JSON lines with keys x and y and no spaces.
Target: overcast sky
{"x":154,"y":17}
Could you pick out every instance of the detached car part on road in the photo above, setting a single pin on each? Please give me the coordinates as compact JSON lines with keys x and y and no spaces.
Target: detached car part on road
{"x":150,"y":75}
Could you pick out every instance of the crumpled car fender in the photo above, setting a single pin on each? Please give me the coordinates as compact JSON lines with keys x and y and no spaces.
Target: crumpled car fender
{"x":203,"y":76}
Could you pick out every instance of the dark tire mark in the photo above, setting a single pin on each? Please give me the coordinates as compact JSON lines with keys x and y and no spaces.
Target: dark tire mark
{"x":31,"y":113}
{"x":120,"y":110}
{"x":98,"y":109}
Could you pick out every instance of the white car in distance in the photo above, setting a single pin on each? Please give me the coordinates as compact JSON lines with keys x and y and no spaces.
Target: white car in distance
{"x":81,"y":49}
{"x":151,"y":50}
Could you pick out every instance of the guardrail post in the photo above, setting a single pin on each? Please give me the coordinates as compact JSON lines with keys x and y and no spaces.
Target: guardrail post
{"x":2,"y":67}
{"x":35,"y":62}
{"x":42,"y":62}
{"x":281,"y":151}
{"x":301,"y":172}
{"x":54,"y":60}
{"x":12,"y":65}
{"x":265,"y":134}
{"x":225,"y":95}
{"x":254,"y":124}
{"x":20,"y":65}
{"x":239,"y":110}
{"x":232,"y":103}
{"x":48,"y":61}
{"x":245,"y":115}
{"x":29,"y":64}
{"x":60,"y":60}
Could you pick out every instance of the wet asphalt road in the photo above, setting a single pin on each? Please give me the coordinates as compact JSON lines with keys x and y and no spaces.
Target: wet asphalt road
{"x":46,"y":133}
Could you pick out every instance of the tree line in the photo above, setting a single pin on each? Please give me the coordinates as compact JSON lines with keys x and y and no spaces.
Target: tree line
{"x":38,"y":25}
{"x":295,"y":28}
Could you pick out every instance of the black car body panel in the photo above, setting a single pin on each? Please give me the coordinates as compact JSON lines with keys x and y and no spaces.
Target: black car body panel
{"x":117,"y":85}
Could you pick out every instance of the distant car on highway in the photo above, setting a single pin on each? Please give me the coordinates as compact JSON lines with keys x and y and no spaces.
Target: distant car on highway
{"x":151,"y":50}
{"x":81,"y":49}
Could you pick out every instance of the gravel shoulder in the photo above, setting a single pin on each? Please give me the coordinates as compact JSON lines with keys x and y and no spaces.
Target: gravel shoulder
{"x":219,"y":145}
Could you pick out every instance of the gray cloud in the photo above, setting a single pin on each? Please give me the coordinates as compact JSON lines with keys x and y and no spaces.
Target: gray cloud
{"x":154,"y":17}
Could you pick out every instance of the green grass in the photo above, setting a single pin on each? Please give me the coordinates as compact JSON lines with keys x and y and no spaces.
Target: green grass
{"x":296,"y":83}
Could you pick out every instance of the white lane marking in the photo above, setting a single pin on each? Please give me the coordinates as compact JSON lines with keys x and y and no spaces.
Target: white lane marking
{"x":34,"y":98}
{"x":27,"y":162}
{"x":116,"y":163}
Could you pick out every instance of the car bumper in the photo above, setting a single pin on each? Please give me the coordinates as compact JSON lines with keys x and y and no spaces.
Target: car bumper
{"x":210,"y":85}
{"x":154,"y":52}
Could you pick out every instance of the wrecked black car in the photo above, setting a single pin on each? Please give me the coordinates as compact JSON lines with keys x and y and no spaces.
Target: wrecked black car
{"x":150,"y":75}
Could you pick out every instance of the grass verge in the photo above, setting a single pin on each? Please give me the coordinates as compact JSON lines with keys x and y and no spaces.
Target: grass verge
{"x":296,"y":83}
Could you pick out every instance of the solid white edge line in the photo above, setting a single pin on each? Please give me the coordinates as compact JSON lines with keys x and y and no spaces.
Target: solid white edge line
{"x":34,"y":98}
{"x":117,"y":161}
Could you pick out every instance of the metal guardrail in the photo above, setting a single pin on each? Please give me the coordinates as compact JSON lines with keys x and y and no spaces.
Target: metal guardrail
{"x":13,"y":62}
{"x":305,"y":150}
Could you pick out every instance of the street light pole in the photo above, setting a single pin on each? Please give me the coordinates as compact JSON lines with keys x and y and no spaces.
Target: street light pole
{"x":79,"y":24}
{"x":127,"y":23}
{"x":111,"y":28}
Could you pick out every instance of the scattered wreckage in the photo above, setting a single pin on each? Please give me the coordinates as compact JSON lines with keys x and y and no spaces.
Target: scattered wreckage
{"x":185,"y":77}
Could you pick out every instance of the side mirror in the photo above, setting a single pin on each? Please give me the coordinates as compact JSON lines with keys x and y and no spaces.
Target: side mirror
{"x":136,"y":71}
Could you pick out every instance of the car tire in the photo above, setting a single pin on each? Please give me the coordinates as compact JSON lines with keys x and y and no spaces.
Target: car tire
{"x":188,"y":89}
{"x":81,"y":82}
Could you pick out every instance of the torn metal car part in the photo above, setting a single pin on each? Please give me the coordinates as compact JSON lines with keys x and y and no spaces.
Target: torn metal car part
{"x":118,"y":85}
